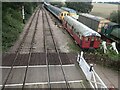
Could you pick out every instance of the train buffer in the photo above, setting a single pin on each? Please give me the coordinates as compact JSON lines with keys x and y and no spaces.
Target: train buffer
{"x":90,"y":74}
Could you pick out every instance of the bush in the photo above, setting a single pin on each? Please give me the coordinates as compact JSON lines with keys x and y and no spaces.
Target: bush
{"x":115,"y":17}
{"x":12,"y":21}
{"x":10,"y":31}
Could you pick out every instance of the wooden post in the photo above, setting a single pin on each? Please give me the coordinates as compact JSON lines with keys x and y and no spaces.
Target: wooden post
{"x":23,"y":14}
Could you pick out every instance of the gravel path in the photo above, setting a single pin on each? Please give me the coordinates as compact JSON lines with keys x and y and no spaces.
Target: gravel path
{"x":61,"y":38}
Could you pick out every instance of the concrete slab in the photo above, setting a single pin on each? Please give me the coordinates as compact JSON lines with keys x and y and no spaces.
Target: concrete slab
{"x":38,"y":86}
{"x":13,"y":87}
{"x":56,"y":74}
{"x":5,"y":72}
{"x":77,"y":85}
{"x":38,"y":74}
{"x":72,"y":73}
{"x":58,"y":85}
{"x":16,"y":76}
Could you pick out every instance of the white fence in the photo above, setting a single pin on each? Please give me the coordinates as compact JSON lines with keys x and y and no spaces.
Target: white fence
{"x":90,"y":74}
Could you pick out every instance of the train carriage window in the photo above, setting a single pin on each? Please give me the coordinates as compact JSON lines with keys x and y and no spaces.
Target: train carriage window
{"x":72,"y":27}
{"x":80,"y":37}
{"x":92,"y":39}
{"x":74,"y":30}
{"x":62,"y":14}
{"x":97,"y":38}
{"x":77,"y":33}
{"x":86,"y":39}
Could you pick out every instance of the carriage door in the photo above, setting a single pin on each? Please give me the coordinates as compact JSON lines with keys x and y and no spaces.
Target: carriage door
{"x":92,"y":41}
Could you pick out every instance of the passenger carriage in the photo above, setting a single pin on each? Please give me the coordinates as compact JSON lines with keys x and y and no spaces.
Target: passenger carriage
{"x":83,"y":35}
{"x":57,"y":12}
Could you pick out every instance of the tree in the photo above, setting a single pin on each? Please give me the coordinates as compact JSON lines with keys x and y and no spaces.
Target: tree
{"x":58,"y":4}
{"x":115,"y":16}
{"x":84,"y":7}
{"x":12,"y":24}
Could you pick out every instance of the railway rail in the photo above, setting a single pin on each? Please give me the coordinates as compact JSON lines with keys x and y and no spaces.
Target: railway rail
{"x":55,"y":49}
{"x":19,"y":49}
{"x":31,"y":49}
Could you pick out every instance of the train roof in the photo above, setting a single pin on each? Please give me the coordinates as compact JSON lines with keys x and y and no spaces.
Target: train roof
{"x":56,"y":8}
{"x":68,"y":9}
{"x":92,"y":16}
{"x":83,"y":29}
{"x":46,"y":3}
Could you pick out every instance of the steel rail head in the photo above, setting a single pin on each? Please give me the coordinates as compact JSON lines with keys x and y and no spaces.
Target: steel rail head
{"x":46,"y":51}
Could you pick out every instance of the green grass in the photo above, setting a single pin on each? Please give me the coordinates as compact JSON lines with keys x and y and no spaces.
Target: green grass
{"x":11,"y":28}
{"x":73,"y":47}
{"x":112,"y":55}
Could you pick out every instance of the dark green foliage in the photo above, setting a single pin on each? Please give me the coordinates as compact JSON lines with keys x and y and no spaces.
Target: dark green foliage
{"x":84,"y":7}
{"x":12,"y":23}
{"x":58,"y":4}
{"x":115,"y":16}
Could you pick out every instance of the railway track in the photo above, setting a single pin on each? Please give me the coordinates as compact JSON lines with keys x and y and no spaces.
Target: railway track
{"x":48,"y":69}
{"x":20,"y":47}
{"x":53,"y":48}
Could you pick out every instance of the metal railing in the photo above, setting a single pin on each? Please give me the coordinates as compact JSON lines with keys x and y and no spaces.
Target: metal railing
{"x":90,"y":74}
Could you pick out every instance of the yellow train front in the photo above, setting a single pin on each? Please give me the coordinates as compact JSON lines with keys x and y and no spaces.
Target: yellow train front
{"x":59,"y":13}
{"x":71,"y":12}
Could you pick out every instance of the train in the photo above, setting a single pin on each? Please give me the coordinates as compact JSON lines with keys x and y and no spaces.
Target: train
{"x":84,"y":36}
{"x":71,"y":12}
{"x":57,"y":12}
{"x":109,"y":31}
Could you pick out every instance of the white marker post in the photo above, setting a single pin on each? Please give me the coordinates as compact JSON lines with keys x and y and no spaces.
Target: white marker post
{"x":23,"y":14}
{"x":104,"y":46}
{"x":114,"y":47}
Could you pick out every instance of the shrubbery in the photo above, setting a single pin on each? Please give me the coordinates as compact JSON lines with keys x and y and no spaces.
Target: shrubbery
{"x":115,"y":16}
{"x":12,"y":24}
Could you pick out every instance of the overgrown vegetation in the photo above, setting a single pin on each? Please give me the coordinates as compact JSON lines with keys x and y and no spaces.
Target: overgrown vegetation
{"x":84,"y":7}
{"x":58,"y":4}
{"x":111,"y":54}
{"x":73,"y":47}
{"x":110,"y":59}
{"x":115,"y":16}
{"x":12,"y":24}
